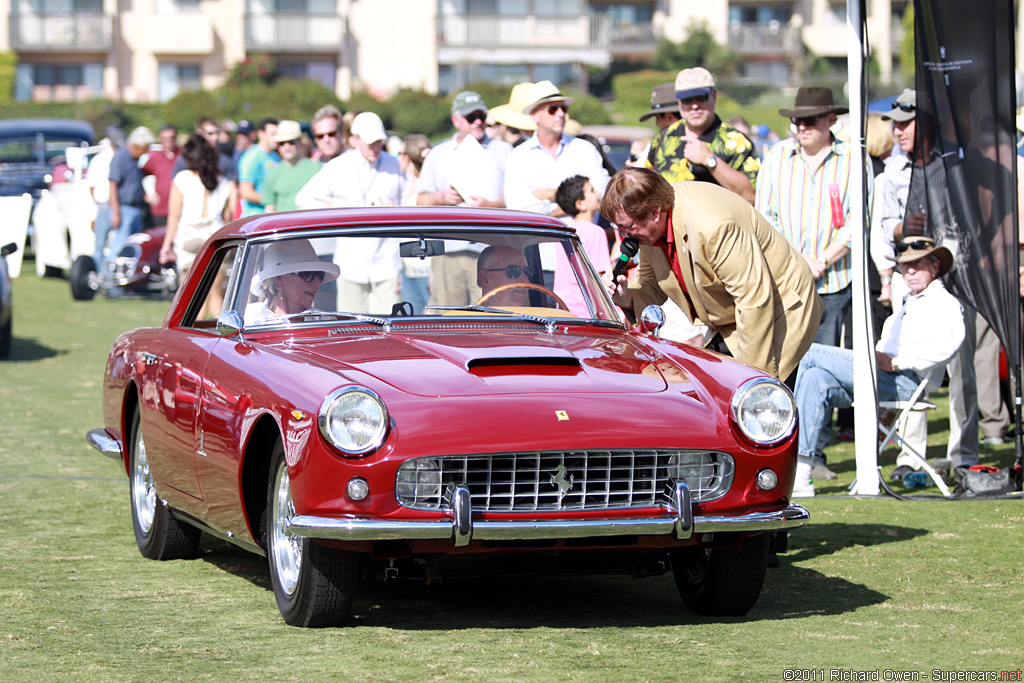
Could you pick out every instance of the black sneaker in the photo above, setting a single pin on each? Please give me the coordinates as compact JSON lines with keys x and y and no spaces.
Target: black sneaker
{"x":897,"y":474}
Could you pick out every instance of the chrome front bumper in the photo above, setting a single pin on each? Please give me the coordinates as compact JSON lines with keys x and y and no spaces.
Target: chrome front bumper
{"x":461,"y":529}
{"x":101,"y":441}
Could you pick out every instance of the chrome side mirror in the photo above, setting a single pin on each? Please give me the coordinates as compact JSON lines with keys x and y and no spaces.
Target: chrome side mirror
{"x":230,"y":323}
{"x":652,"y":320}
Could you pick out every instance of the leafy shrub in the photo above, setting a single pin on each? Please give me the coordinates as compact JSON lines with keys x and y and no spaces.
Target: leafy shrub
{"x":258,"y":69}
{"x":8,"y":69}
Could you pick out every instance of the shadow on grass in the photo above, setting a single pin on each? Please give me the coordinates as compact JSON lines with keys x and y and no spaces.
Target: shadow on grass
{"x":591,"y":601}
{"x":815,"y":540}
{"x":26,"y":350}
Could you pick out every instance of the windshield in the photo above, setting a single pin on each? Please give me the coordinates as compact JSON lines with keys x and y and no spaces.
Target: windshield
{"x":386,"y":275}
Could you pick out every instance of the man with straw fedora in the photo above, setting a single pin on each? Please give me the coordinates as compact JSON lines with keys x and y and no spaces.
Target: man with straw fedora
{"x":515,"y":126}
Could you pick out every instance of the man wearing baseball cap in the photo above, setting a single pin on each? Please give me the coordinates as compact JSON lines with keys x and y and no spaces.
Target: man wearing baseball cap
{"x":481,"y":176}
{"x":701,"y":146}
{"x":434,"y":186}
{"x":365,"y":175}
{"x":286,"y":179}
{"x":910,"y":209}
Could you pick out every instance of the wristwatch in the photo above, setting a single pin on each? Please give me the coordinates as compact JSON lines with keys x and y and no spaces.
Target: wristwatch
{"x":711,"y":162}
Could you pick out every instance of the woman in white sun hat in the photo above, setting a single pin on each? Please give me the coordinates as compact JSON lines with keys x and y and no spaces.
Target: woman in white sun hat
{"x":288,"y":281}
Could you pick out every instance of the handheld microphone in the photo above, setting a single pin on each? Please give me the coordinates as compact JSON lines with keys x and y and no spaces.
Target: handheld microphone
{"x":627,"y":250}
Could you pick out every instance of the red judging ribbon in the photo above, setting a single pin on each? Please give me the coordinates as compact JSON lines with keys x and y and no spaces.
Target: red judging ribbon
{"x":837,"y":206}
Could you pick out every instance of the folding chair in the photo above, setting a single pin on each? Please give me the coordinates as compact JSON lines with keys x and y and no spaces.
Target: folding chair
{"x":903,"y":409}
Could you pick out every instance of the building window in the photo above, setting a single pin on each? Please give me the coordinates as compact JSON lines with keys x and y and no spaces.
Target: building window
{"x":58,"y":82}
{"x":43,"y":7}
{"x":321,"y":72}
{"x":641,"y":13}
{"x":454,"y":77}
{"x":174,"y":78}
{"x":177,"y":6}
{"x":765,"y":14}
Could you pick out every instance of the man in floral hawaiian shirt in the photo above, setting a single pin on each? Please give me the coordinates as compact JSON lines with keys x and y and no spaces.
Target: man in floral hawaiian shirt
{"x":701,"y":146}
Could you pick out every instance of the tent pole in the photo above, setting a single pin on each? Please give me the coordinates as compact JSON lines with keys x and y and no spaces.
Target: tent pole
{"x":866,"y":408}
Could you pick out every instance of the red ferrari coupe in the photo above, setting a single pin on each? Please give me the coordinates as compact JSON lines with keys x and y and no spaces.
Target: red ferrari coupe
{"x":294,"y":402}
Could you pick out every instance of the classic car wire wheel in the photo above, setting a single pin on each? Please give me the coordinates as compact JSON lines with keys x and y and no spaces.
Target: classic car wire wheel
{"x":143,"y":493}
{"x":286,"y":548}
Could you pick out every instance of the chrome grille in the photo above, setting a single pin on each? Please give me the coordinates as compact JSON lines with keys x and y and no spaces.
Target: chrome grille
{"x":126,"y":261}
{"x":564,"y":480}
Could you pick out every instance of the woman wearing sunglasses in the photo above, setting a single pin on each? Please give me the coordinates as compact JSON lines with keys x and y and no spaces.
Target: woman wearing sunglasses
{"x":288,"y":282}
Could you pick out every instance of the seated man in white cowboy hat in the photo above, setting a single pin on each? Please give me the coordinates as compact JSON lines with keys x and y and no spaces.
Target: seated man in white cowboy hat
{"x":288,"y":281}
{"x":917,"y":341}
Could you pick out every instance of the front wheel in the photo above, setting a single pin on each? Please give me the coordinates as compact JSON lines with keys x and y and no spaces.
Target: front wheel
{"x":158,"y":535}
{"x":721,"y":581}
{"x":82,"y":271}
{"x":313,"y":584}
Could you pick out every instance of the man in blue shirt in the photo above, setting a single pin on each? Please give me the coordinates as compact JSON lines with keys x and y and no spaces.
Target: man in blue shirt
{"x":127,"y":197}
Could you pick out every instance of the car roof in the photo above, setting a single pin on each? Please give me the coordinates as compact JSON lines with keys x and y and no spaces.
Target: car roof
{"x":73,"y":128}
{"x":447,"y":216}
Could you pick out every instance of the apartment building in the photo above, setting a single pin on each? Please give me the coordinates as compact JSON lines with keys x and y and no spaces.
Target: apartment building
{"x":149,"y":50}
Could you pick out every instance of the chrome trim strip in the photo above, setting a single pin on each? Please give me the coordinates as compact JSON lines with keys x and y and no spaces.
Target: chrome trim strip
{"x":101,"y":441}
{"x":684,"y":510}
{"x":353,"y":529}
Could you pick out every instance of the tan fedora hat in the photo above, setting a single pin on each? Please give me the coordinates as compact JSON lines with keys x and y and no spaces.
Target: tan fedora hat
{"x":511,"y":114}
{"x":913,"y":247}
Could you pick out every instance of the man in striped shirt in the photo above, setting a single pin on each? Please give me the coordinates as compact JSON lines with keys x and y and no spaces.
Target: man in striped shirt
{"x":802,"y":189}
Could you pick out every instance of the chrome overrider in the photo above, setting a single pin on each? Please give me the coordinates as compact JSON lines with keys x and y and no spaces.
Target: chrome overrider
{"x":101,"y":441}
{"x":461,"y":529}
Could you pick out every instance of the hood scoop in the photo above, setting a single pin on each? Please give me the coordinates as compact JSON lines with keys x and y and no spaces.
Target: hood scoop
{"x":523,"y":365}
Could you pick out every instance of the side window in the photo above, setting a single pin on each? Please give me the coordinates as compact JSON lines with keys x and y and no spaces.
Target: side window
{"x":208,"y":299}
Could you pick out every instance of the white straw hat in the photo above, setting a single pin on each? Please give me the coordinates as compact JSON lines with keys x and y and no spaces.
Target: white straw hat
{"x":291,"y":256}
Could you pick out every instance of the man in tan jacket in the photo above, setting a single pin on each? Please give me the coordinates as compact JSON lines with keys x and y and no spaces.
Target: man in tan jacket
{"x":721,"y":262}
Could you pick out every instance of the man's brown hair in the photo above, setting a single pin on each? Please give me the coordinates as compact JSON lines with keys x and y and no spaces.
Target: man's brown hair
{"x":637,"y":192}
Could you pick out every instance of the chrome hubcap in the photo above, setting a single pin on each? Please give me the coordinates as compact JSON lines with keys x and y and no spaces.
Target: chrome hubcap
{"x":286,"y":549}
{"x":143,"y":493}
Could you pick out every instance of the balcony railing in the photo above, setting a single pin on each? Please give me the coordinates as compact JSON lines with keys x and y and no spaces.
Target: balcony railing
{"x":509,"y":31}
{"x":774,"y":38}
{"x":293,"y":32}
{"x":633,"y":39}
{"x":62,"y":31}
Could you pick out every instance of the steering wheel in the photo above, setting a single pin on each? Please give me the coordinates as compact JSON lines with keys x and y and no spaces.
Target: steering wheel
{"x":522,"y":285}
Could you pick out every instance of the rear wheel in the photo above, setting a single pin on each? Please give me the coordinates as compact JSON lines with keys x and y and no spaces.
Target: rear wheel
{"x":6,"y":337}
{"x":721,"y":581}
{"x":313,"y":584}
{"x":82,"y":270}
{"x":158,"y":535}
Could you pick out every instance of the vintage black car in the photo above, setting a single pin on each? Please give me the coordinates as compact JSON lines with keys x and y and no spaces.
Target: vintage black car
{"x":30,"y":148}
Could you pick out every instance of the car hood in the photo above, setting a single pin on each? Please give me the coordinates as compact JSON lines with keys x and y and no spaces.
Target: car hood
{"x":499,"y":363}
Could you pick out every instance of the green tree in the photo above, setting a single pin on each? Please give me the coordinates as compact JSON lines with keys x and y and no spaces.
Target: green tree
{"x":908,"y":53}
{"x":699,"y":49}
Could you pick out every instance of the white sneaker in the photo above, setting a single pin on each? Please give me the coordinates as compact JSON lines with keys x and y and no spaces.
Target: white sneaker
{"x":803,"y":487}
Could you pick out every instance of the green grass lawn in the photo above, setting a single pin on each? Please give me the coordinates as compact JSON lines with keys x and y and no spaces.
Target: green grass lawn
{"x":869,"y":585}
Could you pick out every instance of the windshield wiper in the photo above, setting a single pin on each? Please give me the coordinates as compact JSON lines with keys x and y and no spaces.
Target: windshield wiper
{"x":548,"y":323}
{"x":314,"y":314}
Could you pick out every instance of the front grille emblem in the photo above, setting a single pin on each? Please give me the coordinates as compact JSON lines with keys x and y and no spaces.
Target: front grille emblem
{"x":559,"y":481}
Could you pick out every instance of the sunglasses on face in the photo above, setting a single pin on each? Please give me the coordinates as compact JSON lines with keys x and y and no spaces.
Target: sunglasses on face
{"x":513,"y":271}
{"x":916,"y":245}
{"x":696,"y":98}
{"x":555,"y":108}
{"x":311,"y":275}
{"x":805,"y":121}
{"x":475,"y":116}
{"x":903,"y":106}
{"x":288,"y":142}
{"x":327,"y":134}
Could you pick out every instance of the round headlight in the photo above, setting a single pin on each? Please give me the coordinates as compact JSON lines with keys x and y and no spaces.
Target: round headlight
{"x":354,"y":419}
{"x":764,"y":410}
